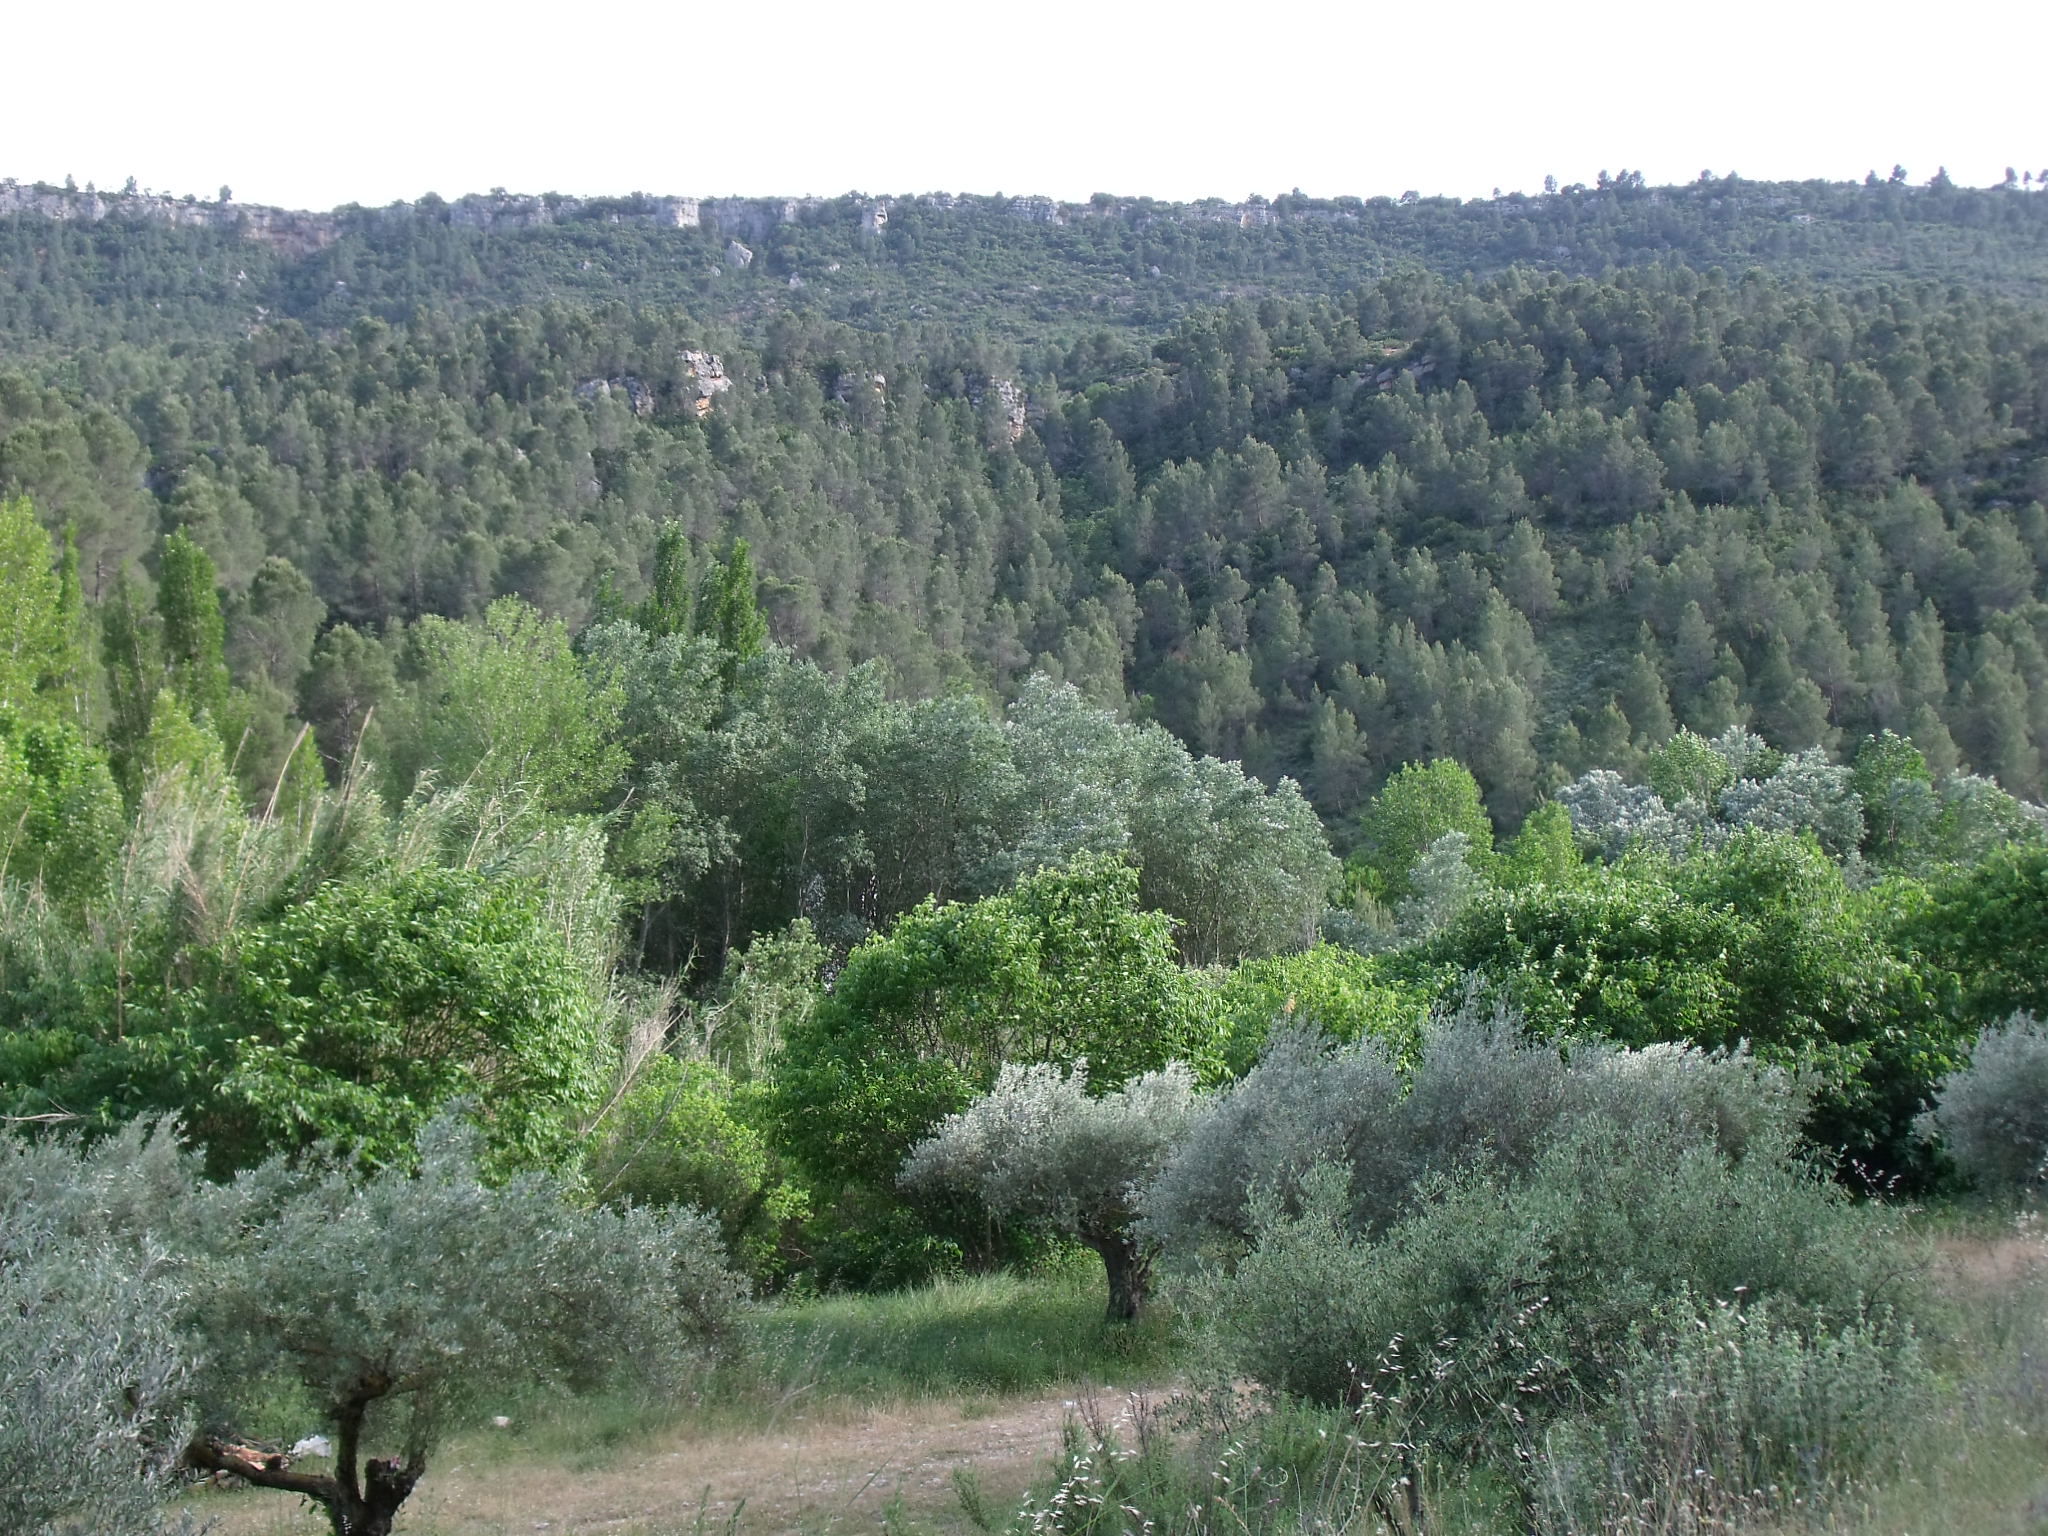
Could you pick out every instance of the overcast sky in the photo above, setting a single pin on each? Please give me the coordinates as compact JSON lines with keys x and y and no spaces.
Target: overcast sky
{"x":312,"y":106}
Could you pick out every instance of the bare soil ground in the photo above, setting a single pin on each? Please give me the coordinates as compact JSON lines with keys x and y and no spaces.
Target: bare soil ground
{"x":840,"y":1469}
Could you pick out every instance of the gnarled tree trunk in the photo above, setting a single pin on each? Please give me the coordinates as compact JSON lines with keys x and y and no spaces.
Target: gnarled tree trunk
{"x":1129,"y":1265}
{"x":357,"y":1504}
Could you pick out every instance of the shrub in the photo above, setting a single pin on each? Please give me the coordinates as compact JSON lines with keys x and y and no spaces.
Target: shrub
{"x":1478,"y":1253}
{"x":1529,"y":1288}
{"x":93,"y":1366}
{"x":1759,"y":941}
{"x":1335,"y":990}
{"x":681,"y":1135}
{"x":1481,"y":1092}
{"x":1308,"y":1102}
{"x":1726,"y":1412}
{"x":1993,"y":1114}
{"x":359,"y":1013}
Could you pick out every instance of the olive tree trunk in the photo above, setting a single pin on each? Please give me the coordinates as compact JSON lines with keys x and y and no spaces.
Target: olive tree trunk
{"x":1128,"y":1264}
{"x":356,"y":1505}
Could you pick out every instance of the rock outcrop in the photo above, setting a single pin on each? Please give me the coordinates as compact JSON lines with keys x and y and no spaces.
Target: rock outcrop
{"x":706,"y":372}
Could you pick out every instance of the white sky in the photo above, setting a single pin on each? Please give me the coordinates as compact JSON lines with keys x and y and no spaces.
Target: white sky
{"x":374,"y":100}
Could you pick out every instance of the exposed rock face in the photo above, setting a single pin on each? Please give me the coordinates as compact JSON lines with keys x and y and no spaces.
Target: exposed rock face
{"x":875,"y":219}
{"x":1009,"y":398}
{"x":638,"y":395}
{"x":291,"y":232}
{"x":737,"y":255}
{"x":504,"y":210}
{"x":707,"y":376}
{"x":1037,"y":210}
{"x":755,"y":218}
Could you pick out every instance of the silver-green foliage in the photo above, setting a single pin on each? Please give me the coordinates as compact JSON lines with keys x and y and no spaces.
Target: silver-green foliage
{"x":1529,"y":1286}
{"x":136,"y":1300}
{"x":93,"y":1366}
{"x":1481,"y":1249}
{"x":1307,"y":1102}
{"x":424,"y":1289}
{"x":1993,"y":1114}
{"x":1481,"y":1092}
{"x":1729,"y":1413}
{"x":1038,"y":1147}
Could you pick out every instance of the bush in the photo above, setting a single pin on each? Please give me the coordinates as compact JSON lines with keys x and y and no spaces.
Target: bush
{"x":1481,"y":1092}
{"x":1479,"y":1255}
{"x":1338,"y":991}
{"x":681,"y":1135}
{"x":1063,"y":968}
{"x":1308,"y":1102}
{"x":1993,"y":1114}
{"x":1530,"y":1287}
{"x":1759,"y":941}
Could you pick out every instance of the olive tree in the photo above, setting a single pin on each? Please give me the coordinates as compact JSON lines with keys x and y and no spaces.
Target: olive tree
{"x":1037,"y":1147}
{"x":394,"y":1301}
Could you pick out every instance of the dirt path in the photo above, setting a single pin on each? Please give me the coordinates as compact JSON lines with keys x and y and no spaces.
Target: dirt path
{"x":838,"y":1470}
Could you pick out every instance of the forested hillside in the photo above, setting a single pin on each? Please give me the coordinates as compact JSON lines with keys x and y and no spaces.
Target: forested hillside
{"x":1532,"y":521}
{"x":83,"y":266}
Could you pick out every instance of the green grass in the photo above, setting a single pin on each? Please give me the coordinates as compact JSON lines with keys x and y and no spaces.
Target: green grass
{"x":990,"y":1335}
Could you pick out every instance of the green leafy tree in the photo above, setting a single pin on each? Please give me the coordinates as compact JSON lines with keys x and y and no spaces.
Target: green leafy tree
{"x":1687,"y":767}
{"x":1337,"y":991}
{"x":670,"y":606}
{"x":1984,"y":930}
{"x":349,"y":678}
{"x":194,"y":633}
{"x":1543,"y":851}
{"x":504,"y":703}
{"x":361,"y":1013}
{"x":61,"y":807}
{"x":1897,"y":788}
{"x":1062,"y":969}
{"x":38,"y":636}
{"x":1414,"y":808}
{"x":1761,"y":941}
{"x":730,"y":613}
